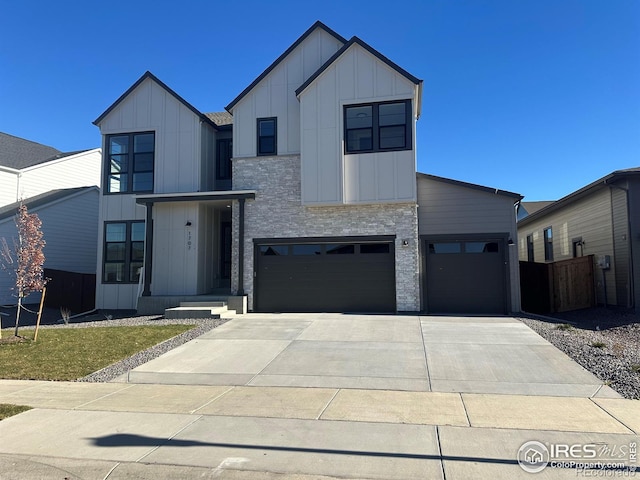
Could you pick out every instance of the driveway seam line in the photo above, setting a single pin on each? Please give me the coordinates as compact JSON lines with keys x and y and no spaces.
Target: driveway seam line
{"x":444,"y":475}
{"x":231,"y":387}
{"x":248,"y":384}
{"x":424,"y":350}
{"x":170,"y":438}
{"x":104,"y":396}
{"x":464,"y":407}
{"x":613,"y":416}
{"x":328,"y":403}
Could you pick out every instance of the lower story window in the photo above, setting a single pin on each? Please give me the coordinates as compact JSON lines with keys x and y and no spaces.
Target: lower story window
{"x":123,"y":251}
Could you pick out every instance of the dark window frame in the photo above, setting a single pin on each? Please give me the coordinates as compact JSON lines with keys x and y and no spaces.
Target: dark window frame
{"x":530,"y":249}
{"x":130,"y":170}
{"x":548,"y":244}
{"x":376,"y":127}
{"x":128,"y":252}
{"x":259,"y":151}
{"x":223,"y":165}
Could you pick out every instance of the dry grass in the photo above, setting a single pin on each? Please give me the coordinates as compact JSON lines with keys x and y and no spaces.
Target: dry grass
{"x":7,"y":410}
{"x":72,"y":353}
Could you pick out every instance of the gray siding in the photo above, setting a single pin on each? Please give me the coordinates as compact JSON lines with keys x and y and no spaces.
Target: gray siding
{"x":70,"y":228}
{"x":588,"y":217}
{"x":634,"y":222}
{"x":447,"y":209}
{"x":620,"y":221}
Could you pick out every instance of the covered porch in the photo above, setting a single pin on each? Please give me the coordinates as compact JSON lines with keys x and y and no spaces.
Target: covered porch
{"x":189,"y":240}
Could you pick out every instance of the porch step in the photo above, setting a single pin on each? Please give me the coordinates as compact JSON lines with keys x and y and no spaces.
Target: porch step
{"x":207,"y":310}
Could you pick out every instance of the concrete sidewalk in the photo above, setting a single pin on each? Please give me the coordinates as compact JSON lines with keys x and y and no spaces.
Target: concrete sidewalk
{"x":176,"y":431}
{"x":326,"y":396}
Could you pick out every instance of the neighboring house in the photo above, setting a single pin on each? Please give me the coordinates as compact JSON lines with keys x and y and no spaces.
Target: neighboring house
{"x":527,"y":208}
{"x":601,"y":219}
{"x":28,"y":168}
{"x":303,"y":196}
{"x":70,"y":227}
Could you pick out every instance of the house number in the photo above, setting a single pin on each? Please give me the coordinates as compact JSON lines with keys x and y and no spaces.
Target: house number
{"x":189,"y":240}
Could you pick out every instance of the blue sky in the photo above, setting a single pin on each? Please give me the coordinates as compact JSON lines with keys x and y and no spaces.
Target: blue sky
{"x":539,"y":97}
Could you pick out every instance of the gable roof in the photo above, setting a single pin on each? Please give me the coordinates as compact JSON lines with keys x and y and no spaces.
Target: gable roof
{"x":17,"y":153}
{"x":151,"y":76}
{"x":473,"y":186}
{"x":32,"y":203}
{"x":533,"y":207}
{"x":367,"y":47}
{"x":586,"y":190}
{"x":278,"y":60}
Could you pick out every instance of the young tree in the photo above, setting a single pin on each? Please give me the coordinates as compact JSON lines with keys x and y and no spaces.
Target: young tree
{"x":27,"y":267}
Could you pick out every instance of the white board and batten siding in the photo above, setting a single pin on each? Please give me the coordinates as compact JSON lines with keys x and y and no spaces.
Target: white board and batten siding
{"x":328,"y":175}
{"x":177,"y":168}
{"x":70,"y":229}
{"x":80,"y":170}
{"x":448,"y":209}
{"x":588,"y":218}
{"x":275,"y":96}
{"x":177,"y":133}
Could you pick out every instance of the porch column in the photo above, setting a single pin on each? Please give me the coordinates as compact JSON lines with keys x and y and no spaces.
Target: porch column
{"x":241,"y":246}
{"x":148,"y":246}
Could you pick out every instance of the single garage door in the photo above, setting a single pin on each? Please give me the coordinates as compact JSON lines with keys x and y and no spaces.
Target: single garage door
{"x":313,"y":276}
{"x":465,"y":276}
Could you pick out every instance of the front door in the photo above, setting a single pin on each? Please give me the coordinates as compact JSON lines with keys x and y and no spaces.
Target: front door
{"x":225,"y":254}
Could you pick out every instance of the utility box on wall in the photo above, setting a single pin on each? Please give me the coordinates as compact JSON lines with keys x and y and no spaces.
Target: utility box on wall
{"x":603,"y":262}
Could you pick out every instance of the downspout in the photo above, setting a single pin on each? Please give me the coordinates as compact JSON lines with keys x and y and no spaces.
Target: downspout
{"x":19,"y":176}
{"x":148,"y":246}
{"x":629,"y":242}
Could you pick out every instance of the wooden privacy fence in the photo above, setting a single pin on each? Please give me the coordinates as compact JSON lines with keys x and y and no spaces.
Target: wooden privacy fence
{"x":558,"y":286}
{"x":75,"y":291}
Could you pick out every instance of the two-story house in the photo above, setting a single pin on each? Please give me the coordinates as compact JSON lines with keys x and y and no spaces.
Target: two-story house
{"x":302,"y":196}
{"x":62,"y":188}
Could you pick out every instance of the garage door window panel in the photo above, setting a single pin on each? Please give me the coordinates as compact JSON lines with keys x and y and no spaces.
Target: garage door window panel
{"x":481,"y":247}
{"x":341,"y":249}
{"x":274,"y":250}
{"x":367,"y":248}
{"x":445,"y":247}
{"x":305,"y":249}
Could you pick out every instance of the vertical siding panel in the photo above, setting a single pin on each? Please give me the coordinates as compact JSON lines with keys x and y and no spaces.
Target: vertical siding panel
{"x":621,"y":240}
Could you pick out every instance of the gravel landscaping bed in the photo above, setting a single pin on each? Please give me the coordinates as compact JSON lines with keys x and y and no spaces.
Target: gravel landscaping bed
{"x":605,"y":341}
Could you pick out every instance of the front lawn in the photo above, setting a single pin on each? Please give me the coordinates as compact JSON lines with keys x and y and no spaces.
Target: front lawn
{"x":72,"y":353}
{"x":7,"y":410}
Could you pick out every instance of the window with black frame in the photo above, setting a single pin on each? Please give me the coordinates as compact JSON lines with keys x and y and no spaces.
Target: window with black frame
{"x":130,"y":162}
{"x":123,"y":251}
{"x":377,"y":127}
{"x":267,"y":141}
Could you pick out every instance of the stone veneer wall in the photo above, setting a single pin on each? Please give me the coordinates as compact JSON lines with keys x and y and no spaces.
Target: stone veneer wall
{"x":278,"y":212}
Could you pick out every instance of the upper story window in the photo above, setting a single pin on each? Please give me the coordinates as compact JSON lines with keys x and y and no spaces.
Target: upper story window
{"x":530,"y":248}
{"x":223,"y":159}
{"x":377,"y":127}
{"x":123,"y":251}
{"x":267,"y":141}
{"x":548,"y":244}
{"x":130,"y":162}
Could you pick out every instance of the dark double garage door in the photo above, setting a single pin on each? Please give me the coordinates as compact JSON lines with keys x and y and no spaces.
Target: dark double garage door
{"x":327,"y":275}
{"x":465,"y":275}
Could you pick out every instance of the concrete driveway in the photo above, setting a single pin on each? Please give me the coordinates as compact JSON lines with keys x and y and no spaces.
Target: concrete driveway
{"x":385,"y":352}
{"x":394,"y":397}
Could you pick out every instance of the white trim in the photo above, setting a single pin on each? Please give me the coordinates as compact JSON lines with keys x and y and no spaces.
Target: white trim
{"x":60,"y":160}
